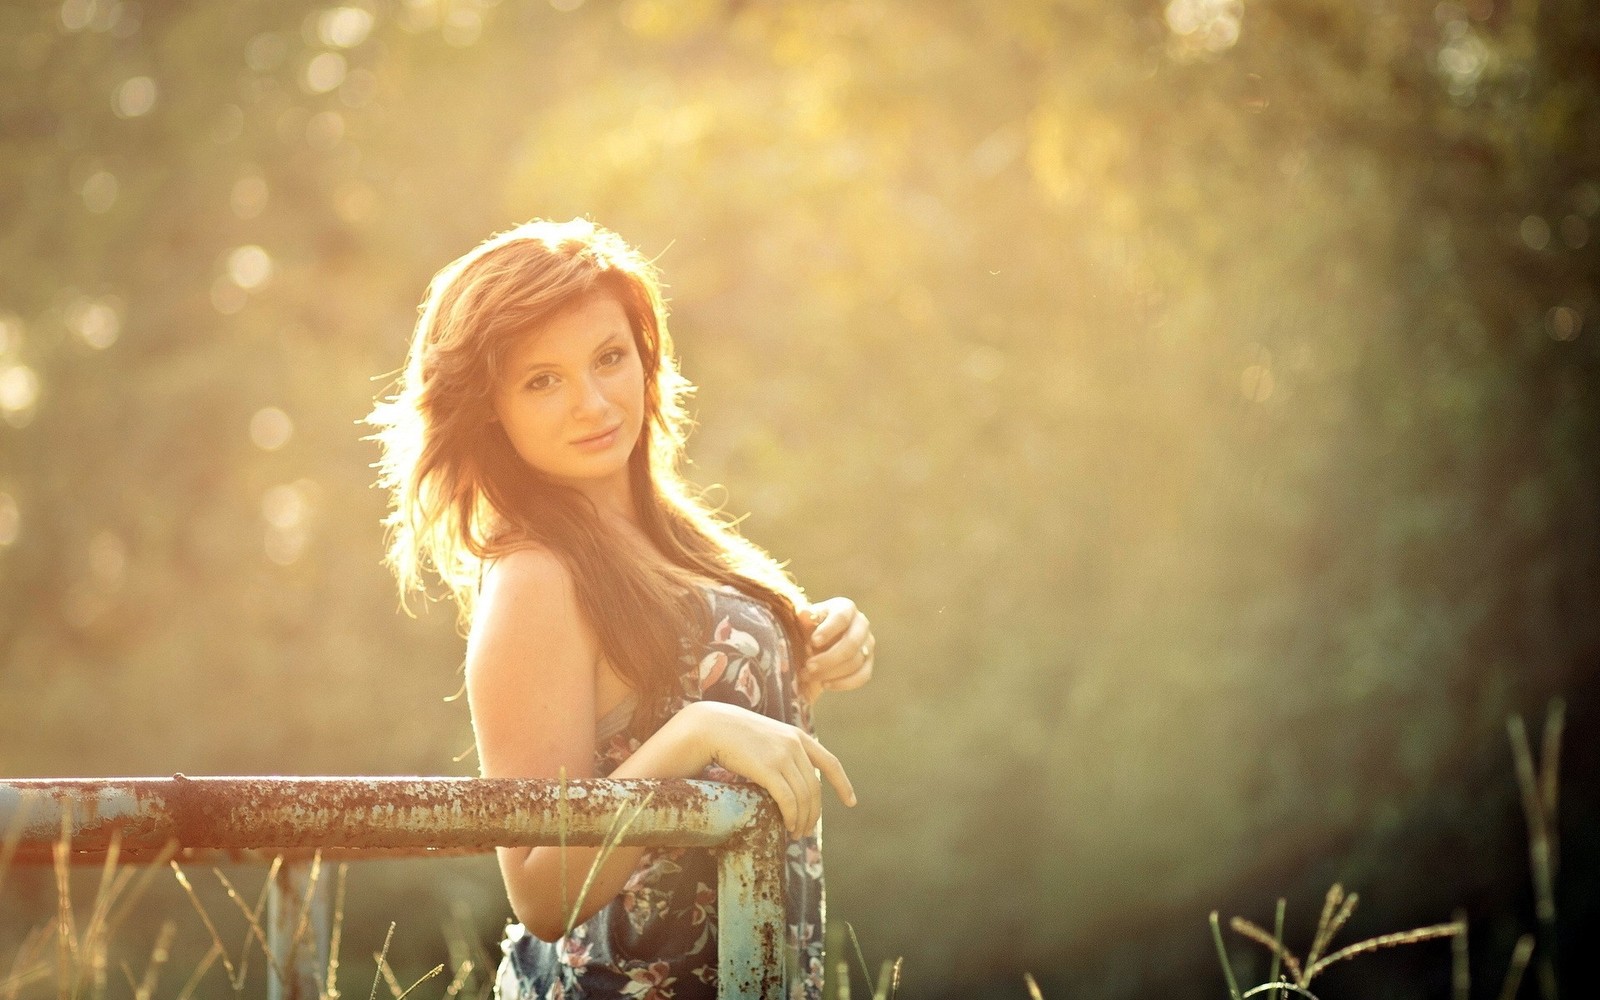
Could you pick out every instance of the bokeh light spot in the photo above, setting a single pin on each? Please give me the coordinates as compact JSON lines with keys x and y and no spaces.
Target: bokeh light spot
{"x":248,"y":198}
{"x":266,"y":51}
{"x":135,"y":97}
{"x":96,"y":322}
{"x":229,"y":124}
{"x":108,"y":559}
{"x":344,"y":27}
{"x":1535,"y":232}
{"x":1205,"y":25}
{"x":99,"y":191}
{"x":283,"y":506}
{"x":19,"y":394}
{"x":324,"y":72}
{"x":250,"y":267}
{"x":76,"y":14}
{"x":1575,"y":232}
{"x":325,"y":130}
{"x":461,"y":28}
{"x":1256,"y":383}
{"x":10,"y":520}
{"x":1563,"y":323}
{"x":270,"y":428}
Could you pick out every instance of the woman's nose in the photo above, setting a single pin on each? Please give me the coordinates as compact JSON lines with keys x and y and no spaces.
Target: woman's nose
{"x":589,"y":397}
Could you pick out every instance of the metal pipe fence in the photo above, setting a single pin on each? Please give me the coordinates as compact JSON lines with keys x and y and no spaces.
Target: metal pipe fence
{"x":258,"y":817}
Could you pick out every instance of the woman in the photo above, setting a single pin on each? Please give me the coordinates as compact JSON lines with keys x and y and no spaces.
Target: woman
{"x":617,"y":627}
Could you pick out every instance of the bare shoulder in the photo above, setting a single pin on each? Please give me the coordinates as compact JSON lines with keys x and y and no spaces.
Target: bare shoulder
{"x":529,"y":605}
{"x":531,"y":670}
{"x":528,"y":572}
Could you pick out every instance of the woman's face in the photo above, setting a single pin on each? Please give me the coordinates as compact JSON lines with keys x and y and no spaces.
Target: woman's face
{"x":571,"y":399}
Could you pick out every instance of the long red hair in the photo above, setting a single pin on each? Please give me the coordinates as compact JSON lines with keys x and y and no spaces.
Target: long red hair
{"x":461,"y":496}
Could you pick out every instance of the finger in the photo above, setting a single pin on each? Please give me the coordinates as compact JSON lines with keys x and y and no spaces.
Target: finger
{"x":803,"y":777}
{"x":782,"y":791}
{"x":851,"y":682}
{"x":846,"y":656}
{"x":792,"y":773}
{"x":831,"y":769}
{"x":840,"y":612}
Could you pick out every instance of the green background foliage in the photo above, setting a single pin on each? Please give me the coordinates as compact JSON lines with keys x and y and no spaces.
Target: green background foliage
{"x":1199,"y":396}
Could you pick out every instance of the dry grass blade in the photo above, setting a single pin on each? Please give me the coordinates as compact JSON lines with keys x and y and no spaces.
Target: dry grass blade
{"x":1033,"y":987}
{"x":95,"y":941}
{"x":1277,"y":935}
{"x":459,"y":981}
{"x":425,"y":977}
{"x":1242,"y":926}
{"x":1541,"y":840}
{"x":1324,"y":929}
{"x":306,"y":904}
{"x":28,"y":965}
{"x":888,"y":980}
{"x":1519,"y":964}
{"x":159,"y":953}
{"x":13,"y":837}
{"x":1550,"y":756}
{"x":254,"y":929}
{"x":1460,"y":973}
{"x":376,"y":976}
{"x":1386,"y":941}
{"x":66,"y":928}
{"x":1222,"y":956}
{"x":331,"y":992}
{"x":253,"y":918}
{"x":855,"y":942}
{"x":205,"y":918}
{"x":388,"y":975}
{"x":1286,"y":987}
{"x":199,"y":972}
{"x":131,"y":896}
{"x":619,"y":827}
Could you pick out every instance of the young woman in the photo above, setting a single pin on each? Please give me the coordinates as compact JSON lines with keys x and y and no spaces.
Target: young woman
{"x":617,"y":626}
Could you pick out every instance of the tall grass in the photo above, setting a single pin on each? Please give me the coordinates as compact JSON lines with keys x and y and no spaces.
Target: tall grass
{"x":1539,"y":784}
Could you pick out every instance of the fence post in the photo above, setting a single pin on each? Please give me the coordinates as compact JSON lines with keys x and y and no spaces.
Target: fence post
{"x":298,"y":930}
{"x":752,"y":937}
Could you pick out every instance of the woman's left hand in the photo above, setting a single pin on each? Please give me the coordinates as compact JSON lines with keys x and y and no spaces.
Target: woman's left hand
{"x":842,"y":645}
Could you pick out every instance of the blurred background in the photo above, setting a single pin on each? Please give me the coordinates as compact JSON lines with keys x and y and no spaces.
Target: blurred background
{"x":1199,"y":396}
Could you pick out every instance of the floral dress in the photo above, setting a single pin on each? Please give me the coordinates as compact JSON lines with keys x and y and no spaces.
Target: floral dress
{"x":657,"y":940}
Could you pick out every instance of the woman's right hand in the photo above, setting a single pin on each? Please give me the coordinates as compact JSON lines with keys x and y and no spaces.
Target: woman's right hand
{"x":781,"y":758}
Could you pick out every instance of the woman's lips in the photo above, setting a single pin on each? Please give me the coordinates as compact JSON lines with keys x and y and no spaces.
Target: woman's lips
{"x":598,"y":442}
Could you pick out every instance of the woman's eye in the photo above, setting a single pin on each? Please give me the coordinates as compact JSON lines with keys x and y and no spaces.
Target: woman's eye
{"x":541,"y":382}
{"x":611,"y":357}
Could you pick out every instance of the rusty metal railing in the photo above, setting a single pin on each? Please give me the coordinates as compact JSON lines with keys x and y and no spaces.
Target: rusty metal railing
{"x":352,"y":816}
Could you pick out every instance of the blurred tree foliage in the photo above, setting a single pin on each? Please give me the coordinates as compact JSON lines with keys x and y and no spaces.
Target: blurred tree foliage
{"x":1199,"y":395}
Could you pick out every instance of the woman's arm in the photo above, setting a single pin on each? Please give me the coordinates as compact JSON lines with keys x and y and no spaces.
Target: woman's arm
{"x":531,"y":661}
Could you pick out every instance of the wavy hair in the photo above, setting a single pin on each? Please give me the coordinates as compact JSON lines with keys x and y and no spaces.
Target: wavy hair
{"x":460,"y":496}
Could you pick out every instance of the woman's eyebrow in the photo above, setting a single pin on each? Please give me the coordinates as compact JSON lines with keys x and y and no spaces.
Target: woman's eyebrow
{"x":537,"y":364}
